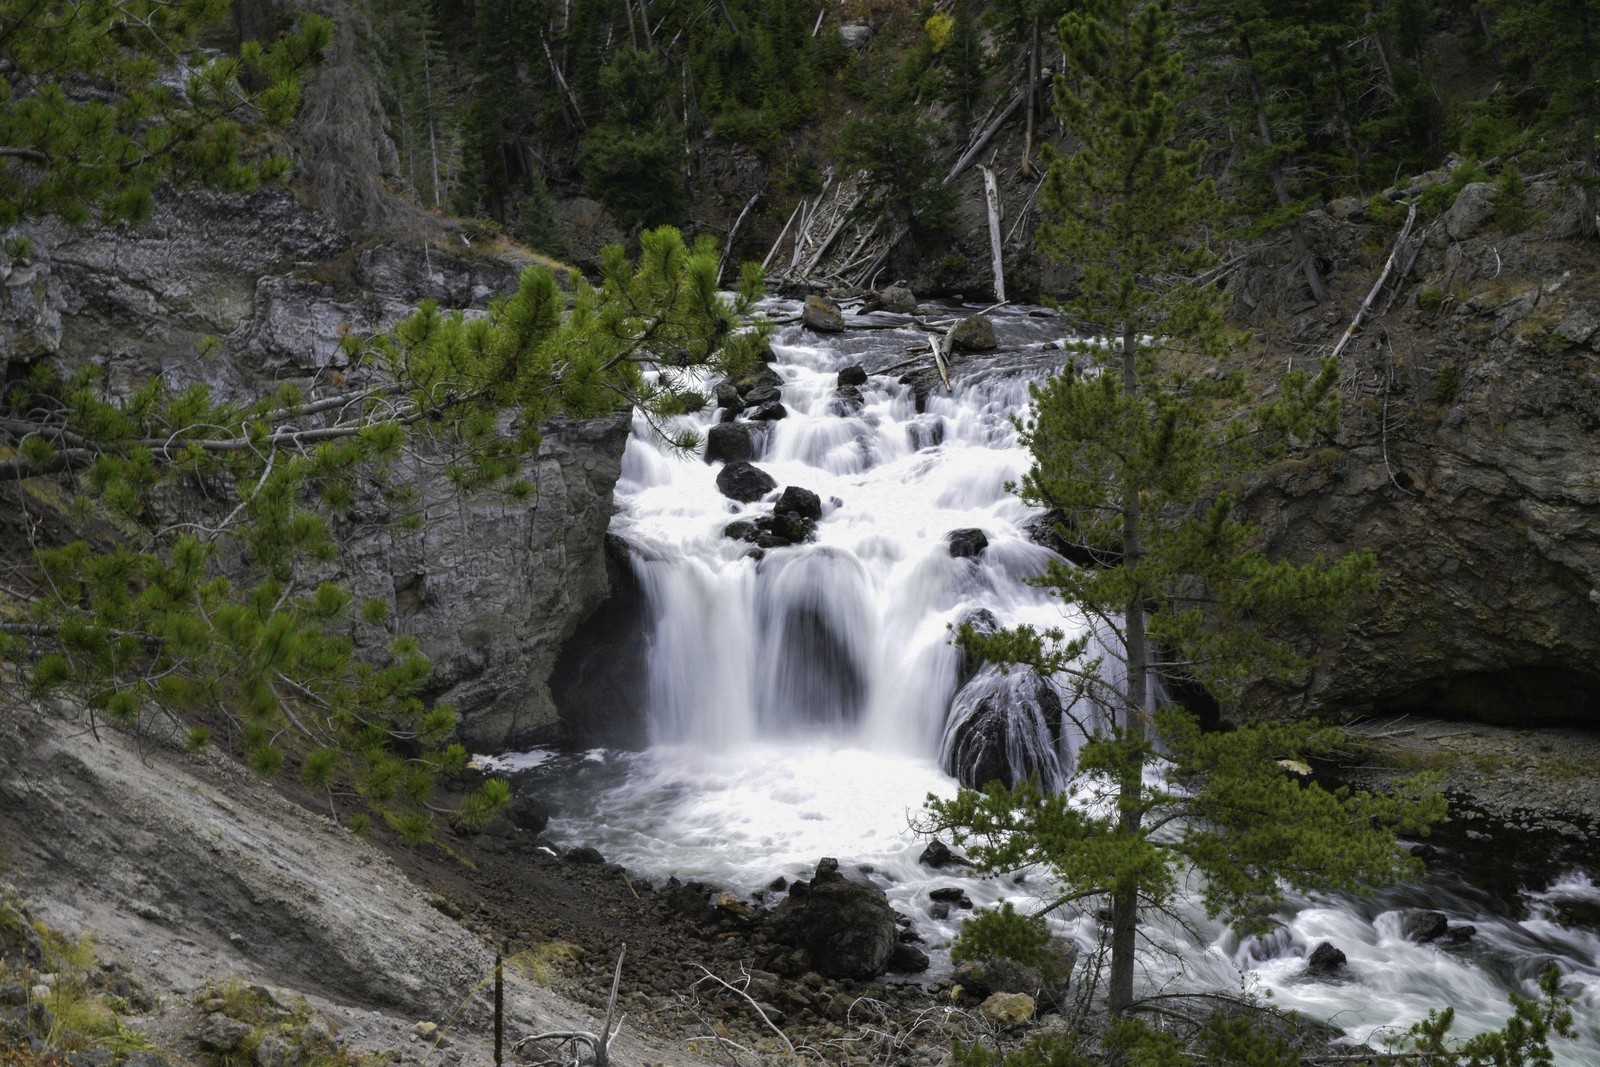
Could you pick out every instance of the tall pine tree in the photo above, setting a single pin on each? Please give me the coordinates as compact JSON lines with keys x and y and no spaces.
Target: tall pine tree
{"x":1137,"y":456}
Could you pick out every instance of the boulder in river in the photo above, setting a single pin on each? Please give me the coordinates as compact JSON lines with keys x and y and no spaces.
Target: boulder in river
{"x":744,"y":482}
{"x":822,"y":315}
{"x":972,"y":334}
{"x":855,"y":374}
{"x":1325,"y":960}
{"x":967,"y":543}
{"x":802,"y":502}
{"x":730,"y":442}
{"x":1423,"y":926}
{"x":898,"y":299}
{"x":938,"y":856}
{"x":771,"y":411}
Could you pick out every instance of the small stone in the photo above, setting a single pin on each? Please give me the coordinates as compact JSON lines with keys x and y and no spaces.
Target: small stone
{"x":1007,"y":1010}
{"x":219,"y":1033}
{"x":585,"y":856}
{"x":425,"y":1029}
{"x":1577,"y":327}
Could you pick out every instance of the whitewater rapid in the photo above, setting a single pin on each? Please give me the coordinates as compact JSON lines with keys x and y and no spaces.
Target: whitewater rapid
{"x":797,"y":701}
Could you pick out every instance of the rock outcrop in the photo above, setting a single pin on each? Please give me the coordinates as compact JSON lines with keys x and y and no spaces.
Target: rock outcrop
{"x":245,"y":292}
{"x":1467,"y":464}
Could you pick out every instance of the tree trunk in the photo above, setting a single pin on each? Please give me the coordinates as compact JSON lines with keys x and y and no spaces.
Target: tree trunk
{"x":1136,"y":709}
{"x":991,"y":195}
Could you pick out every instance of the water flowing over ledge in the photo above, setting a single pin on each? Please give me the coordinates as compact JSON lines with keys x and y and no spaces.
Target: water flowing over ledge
{"x":803,"y":700}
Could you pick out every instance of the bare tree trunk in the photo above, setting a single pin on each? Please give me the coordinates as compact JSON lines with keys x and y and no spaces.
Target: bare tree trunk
{"x":991,"y":195}
{"x":427,"y":87}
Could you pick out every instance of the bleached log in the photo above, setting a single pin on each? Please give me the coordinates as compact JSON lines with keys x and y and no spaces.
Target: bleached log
{"x":1377,"y":287}
{"x":727,"y":247}
{"x":991,"y":194}
{"x":765,"y":263}
{"x":984,"y":138}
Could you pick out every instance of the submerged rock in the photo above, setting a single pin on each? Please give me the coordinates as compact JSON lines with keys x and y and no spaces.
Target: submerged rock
{"x":744,"y":482}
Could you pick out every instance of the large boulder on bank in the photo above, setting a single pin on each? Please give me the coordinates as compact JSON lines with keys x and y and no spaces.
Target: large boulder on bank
{"x":898,"y":299}
{"x":837,"y":927}
{"x":973,"y":334}
{"x":822,"y":316}
{"x":744,"y":482}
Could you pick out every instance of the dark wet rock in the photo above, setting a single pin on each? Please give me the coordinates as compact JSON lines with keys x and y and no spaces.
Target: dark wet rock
{"x":982,"y":622}
{"x":998,"y":714}
{"x":847,"y":401}
{"x":771,"y":411}
{"x":981,"y":979}
{"x":951,"y":894}
{"x":585,"y":856}
{"x":838,"y":927}
{"x":1423,"y":926}
{"x":855,"y":374}
{"x":778,"y":884}
{"x":907,"y":959}
{"x":822,"y":315}
{"x":927,"y":431}
{"x":728,"y":397}
{"x":744,"y":482}
{"x":528,"y":812}
{"x":802,"y":502}
{"x":742,"y":530}
{"x":603,"y":667}
{"x":972,"y":334}
{"x":1325,"y":960}
{"x":730,"y":442}
{"x":1460,"y":935}
{"x":789,"y":528}
{"x":967,"y":543}
{"x":763,"y":384}
{"x":939,"y":910}
{"x":938,"y":855}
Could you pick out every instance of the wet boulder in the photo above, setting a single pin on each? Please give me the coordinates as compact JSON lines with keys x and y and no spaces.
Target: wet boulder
{"x":907,"y":959}
{"x":1325,"y":960}
{"x":836,"y":927}
{"x":938,"y":855}
{"x":1423,"y":926}
{"x":789,"y":528}
{"x":822,"y":315}
{"x":771,"y":411}
{"x":1005,"y":726}
{"x":585,"y":856}
{"x":967,"y":543}
{"x":728,"y":397}
{"x":762,"y":387}
{"x":847,"y":401}
{"x":741,"y":530}
{"x":983,"y":622}
{"x":802,"y":502}
{"x":730,"y":442}
{"x":855,"y":374}
{"x":972,"y":334}
{"x":528,"y":811}
{"x":744,"y":482}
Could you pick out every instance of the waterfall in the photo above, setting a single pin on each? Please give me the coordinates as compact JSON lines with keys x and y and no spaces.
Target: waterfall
{"x":803,"y":700}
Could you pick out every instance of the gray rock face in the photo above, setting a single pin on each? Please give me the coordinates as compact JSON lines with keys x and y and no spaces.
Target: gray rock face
{"x":1473,"y":209}
{"x":1470,"y":475}
{"x":491,"y":587}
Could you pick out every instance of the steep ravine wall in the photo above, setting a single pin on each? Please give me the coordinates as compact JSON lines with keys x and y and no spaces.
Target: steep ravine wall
{"x":490,"y":586}
{"x":1469,"y":462}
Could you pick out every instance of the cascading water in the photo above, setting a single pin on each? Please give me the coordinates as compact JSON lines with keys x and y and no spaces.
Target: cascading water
{"x":800,"y":698}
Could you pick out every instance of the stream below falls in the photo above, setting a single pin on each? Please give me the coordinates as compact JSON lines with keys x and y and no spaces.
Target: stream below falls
{"x":804,"y":703}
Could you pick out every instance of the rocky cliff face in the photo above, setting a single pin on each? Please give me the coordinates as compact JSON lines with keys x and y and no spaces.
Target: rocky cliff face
{"x":1471,"y":467}
{"x":490,"y":586}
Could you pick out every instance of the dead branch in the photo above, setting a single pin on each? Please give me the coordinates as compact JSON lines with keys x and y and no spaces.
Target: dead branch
{"x":708,"y":976}
{"x":599,"y":1045}
{"x":1377,"y":287}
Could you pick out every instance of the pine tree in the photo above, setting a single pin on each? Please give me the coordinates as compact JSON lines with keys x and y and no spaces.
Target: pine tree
{"x":203,"y":593}
{"x":90,"y":122}
{"x":1137,"y":457}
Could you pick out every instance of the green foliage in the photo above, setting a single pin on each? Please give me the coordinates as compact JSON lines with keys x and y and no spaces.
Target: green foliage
{"x":1139,"y":458}
{"x":1007,"y":934}
{"x":90,"y":124}
{"x":902,"y":166}
{"x":226,"y":613}
{"x":1524,"y":1041}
